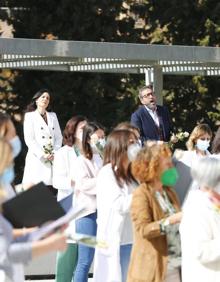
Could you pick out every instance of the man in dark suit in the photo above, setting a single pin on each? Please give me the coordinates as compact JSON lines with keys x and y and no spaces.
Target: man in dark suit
{"x":153,"y":120}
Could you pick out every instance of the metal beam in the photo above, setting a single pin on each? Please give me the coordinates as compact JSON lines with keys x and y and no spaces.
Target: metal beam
{"x":128,"y":51}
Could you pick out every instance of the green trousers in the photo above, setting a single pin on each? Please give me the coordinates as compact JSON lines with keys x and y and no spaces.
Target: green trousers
{"x":66,"y":263}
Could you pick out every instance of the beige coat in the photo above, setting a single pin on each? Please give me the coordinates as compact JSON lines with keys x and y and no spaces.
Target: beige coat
{"x":148,"y":261}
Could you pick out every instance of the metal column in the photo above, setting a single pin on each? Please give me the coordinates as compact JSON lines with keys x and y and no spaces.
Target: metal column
{"x":158,"y":84}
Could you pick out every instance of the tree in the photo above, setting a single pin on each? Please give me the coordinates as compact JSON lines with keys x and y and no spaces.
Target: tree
{"x":190,"y":99}
{"x":110,"y":98}
{"x":106,"y":98}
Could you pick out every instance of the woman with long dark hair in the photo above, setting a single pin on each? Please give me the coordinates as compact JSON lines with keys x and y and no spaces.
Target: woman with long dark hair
{"x":85,"y":170}
{"x":43,"y":137}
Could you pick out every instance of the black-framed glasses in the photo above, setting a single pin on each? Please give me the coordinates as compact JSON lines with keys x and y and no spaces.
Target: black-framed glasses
{"x":147,"y":95}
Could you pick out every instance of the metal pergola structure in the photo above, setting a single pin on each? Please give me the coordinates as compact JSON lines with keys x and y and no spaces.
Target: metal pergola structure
{"x":86,"y":56}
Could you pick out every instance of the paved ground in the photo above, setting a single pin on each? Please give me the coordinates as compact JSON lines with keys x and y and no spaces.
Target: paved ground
{"x":51,"y":280}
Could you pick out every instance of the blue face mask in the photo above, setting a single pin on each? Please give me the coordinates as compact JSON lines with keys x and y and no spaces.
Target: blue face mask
{"x":16,"y":146}
{"x":8,"y":176}
{"x":202,"y":144}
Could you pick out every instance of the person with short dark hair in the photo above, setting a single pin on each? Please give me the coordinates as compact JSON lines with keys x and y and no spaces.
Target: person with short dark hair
{"x":152,"y":120}
{"x":43,"y":137}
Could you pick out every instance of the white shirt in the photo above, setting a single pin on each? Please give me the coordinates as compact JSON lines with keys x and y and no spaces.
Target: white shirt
{"x":84,"y":173}
{"x":62,"y":168}
{"x":191,"y":157}
{"x":154,"y":115}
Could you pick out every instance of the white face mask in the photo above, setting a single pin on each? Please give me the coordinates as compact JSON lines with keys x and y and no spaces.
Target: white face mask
{"x":202,"y":144}
{"x":133,"y":150}
{"x":102,"y":142}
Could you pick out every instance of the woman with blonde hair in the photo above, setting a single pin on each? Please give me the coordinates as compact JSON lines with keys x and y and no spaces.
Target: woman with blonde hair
{"x":155,"y":255}
{"x":197,"y":144}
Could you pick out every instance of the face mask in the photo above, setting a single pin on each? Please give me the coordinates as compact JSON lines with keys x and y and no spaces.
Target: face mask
{"x":202,"y":144}
{"x":8,"y":176}
{"x":169,"y":177}
{"x":101,"y":143}
{"x":16,"y":146}
{"x":133,"y":150}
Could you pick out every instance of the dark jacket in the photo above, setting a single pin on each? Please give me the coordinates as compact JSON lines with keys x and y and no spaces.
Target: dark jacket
{"x":148,"y":129}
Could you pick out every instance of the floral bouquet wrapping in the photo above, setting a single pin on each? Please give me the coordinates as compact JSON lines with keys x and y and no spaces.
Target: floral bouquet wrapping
{"x":48,"y":150}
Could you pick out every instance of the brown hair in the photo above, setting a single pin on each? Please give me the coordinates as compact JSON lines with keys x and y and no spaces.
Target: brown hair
{"x":70,"y":130}
{"x":127,"y":125}
{"x":89,"y":129}
{"x":145,"y":168}
{"x":216,"y":143}
{"x":115,"y":153}
{"x":4,"y":120}
{"x":197,"y":132}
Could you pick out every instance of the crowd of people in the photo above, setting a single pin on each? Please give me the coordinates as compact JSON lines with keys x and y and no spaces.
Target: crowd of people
{"x":128,"y":182}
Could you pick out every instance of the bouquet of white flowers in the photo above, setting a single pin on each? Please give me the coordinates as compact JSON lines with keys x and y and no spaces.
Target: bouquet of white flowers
{"x":180,"y":136}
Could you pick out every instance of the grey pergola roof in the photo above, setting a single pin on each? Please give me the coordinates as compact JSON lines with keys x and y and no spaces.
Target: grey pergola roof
{"x":82,"y":56}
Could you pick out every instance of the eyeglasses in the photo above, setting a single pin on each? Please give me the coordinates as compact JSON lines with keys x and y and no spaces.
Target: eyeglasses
{"x":147,"y":95}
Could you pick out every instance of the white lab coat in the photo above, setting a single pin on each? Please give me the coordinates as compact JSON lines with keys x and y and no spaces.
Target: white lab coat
{"x":200,"y":239}
{"x":37,"y":134}
{"x":62,"y":168}
{"x":113,"y":224}
{"x":84,"y":172}
{"x":189,"y":158}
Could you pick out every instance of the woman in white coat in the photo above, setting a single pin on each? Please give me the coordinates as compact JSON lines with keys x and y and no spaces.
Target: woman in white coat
{"x":197,"y":144}
{"x":200,"y":225}
{"x":43,"y":137}
{"x":85,"y":170}
{"x":115,"y":185}
{"x":64,"y":183}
